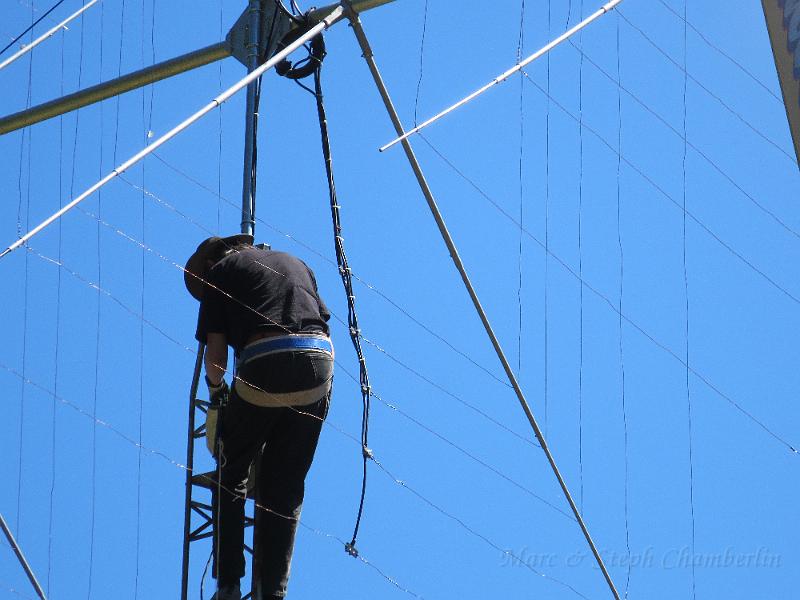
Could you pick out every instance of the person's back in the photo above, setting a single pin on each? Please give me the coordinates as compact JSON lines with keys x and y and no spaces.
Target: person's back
{"x":267,"y":307}
{"x":261,"y":291}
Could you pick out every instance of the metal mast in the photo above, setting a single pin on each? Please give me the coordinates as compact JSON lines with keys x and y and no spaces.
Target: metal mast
{"x":254,"y":44}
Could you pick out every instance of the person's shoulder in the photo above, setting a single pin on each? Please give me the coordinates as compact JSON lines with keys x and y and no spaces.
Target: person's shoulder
{"x":285,"y":257}
{"x":239,"y":255}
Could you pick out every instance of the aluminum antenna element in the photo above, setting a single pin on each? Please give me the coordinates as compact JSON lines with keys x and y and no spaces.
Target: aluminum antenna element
{"x":252,"y":76}
{"x":21,"y":557}
{"x":503,"y":76}
{"x":50,"y":33}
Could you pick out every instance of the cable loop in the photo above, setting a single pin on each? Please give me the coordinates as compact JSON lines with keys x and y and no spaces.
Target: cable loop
{"x":306,"y":66}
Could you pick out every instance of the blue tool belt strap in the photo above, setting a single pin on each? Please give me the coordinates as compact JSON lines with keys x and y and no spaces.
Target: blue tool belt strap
{"x":284,"y":343}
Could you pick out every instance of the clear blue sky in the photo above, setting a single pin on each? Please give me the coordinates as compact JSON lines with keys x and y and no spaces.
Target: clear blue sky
{"x":100,"y":518}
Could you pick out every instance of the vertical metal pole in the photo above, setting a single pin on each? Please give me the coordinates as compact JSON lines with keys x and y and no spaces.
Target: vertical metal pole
{"x":187,"y":515}
{"x":253,"y":46}
{"x":21,"y":558}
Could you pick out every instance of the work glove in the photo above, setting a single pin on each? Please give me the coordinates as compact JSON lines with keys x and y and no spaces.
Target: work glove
{"x":211,"y":429}
{"x":217,"y":394}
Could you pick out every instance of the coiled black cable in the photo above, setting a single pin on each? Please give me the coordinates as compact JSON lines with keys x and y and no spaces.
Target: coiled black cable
{"x":352,"y":317}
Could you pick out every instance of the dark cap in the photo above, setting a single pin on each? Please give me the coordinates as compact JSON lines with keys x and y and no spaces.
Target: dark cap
{"x":212,"y":249}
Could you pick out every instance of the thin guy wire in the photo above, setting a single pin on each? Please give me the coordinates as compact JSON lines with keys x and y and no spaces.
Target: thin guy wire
{"x":32,"y":25}
{"x":25,"y":309}
{"x":680,"y":207}
{"x":205,"y":282}
{"x":546,"y":324}
{"x":219,"y":113}
{"x":167,"y":458}
{"x":716,"y":97}
{"x":62,"y":26}
{"x":686,"y":291}
{"x":158,"y":329}
{"x":663,"y":346}
{"x":152,"y":62}
{"x":619,"y":322}
{"x":76,"y":129}
{"x":369,"y":58}
{"x":452,"y":444}
{"x":520,"y":50}
{"x":143,"y":319}
{"x":711,"y":44}
{"x":325,"y":23}
{"x":367,"y":340}
{"x":56,"y":352}
{"x":130,"y":310}
{"x":97,"y":421}
{"x":683,"y":138}
{"x":602,"y":11}
{"x":580,"y":269}
{"x":100,"y":290}
{"x":146,"y":126}
{"x":605,"y":298}
{"x":471,"y":530}
{"x":591,"y":288}
{"x":469,"y":455}
{"x":97,"y":325}
{"x":451,"y":394}
{"x":119,"y":72}
{"x":421,"y":59}
{"x":323,"y":257}
{"x":161,"y":331}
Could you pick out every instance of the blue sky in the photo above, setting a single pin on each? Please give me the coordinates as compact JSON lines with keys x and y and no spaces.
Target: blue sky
{"x":598,"y":175}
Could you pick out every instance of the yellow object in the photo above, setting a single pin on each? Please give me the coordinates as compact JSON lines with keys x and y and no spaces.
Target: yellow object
{"x":211,"y":428}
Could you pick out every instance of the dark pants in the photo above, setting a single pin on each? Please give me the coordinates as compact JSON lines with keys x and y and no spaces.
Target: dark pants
{"x":289,"y":436}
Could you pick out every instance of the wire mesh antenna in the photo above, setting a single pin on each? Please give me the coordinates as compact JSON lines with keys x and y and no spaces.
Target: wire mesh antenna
{"x":352,"y":317}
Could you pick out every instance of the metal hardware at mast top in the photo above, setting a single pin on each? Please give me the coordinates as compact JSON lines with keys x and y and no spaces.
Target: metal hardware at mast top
{"x":234,"y":45}
{"x":254,"y":42}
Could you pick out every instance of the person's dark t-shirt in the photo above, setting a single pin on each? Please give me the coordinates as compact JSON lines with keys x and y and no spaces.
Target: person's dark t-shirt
{"x":260,"y":290}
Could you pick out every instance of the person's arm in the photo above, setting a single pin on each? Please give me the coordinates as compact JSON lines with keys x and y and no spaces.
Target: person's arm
{"x":216,"y":358}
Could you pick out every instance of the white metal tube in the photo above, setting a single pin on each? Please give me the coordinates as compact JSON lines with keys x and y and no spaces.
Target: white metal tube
{"x":21,"y":557}
{"x":500,"y":78}
{"x":46,"y":35}
{"x":359,"y":6}
{"x":252,"y":76}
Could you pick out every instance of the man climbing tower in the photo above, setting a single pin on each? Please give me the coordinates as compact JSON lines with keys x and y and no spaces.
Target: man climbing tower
{"x":266,"y":306}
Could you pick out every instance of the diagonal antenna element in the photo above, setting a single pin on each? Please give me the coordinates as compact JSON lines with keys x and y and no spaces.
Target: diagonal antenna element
{"x":44,"y":36}
{"x":502,"y":77}
{"x":451,"y":247}
{"x":21,"y":557}
{"x":329,"y":20}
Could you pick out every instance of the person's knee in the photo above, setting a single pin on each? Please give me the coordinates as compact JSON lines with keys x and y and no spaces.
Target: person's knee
{"x":284,"y":499}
